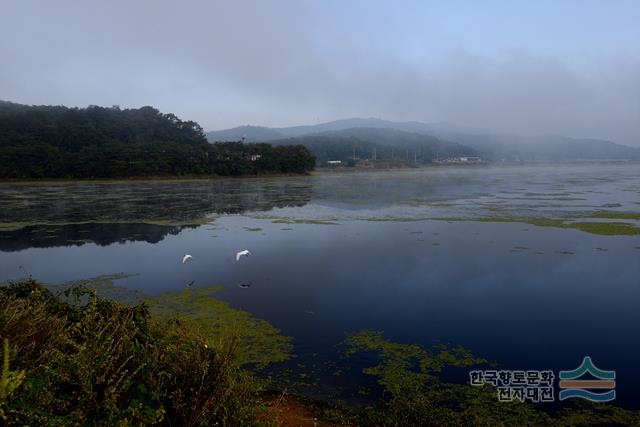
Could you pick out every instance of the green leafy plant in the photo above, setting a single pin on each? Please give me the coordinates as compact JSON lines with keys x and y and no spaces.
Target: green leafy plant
{"x":9,"y":380}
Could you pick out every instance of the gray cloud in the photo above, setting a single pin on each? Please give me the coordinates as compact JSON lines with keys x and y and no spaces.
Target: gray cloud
{"x":290,"y":62}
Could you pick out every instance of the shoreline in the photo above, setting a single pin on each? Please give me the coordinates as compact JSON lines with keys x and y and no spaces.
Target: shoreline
{"x":321,"y":171}
{"x":192,"y":178}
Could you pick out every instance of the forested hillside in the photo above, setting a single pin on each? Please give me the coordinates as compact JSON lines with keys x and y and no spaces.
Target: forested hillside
{"x":381,"y":144}
{"x":97,"y":142}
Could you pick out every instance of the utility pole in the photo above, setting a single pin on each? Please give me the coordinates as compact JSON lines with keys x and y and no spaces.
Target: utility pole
{"x":415,"y":157}
{"x":374,"y":154}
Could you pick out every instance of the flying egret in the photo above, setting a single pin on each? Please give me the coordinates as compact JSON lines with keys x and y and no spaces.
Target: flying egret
{"x":186,"y":258}
{"x":242,"y":253}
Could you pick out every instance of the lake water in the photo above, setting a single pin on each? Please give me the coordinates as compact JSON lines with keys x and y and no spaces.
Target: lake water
{"x":401,"y":252}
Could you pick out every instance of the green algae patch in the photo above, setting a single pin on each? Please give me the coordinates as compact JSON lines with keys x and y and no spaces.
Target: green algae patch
{"x":546,"y":222}
{"x":252,"y":228}
{"x":489,"y":219}
{"x":168,"y":222}
{"x":602,"y":228}
{"x":407,"y":360}
{"x":414,"y":393}
{"x":259,"y":342}
{"x":304,"y":221}
{"x":607,"y":228}
{"x":104,"y":286}
{"x":396,"y":219}
{"x":615,"y":215}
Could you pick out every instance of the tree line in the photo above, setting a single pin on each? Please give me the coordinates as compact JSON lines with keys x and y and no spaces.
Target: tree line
{"x":96,"y":142}
{"x":375,"y":143}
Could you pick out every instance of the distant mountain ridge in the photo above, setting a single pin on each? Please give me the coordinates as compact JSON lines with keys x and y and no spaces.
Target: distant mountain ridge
{"x":263,"y":133}
{"x":491,"y":145}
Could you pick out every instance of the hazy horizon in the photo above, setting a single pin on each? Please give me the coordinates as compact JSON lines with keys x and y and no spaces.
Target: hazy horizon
{"x":565,"y":68}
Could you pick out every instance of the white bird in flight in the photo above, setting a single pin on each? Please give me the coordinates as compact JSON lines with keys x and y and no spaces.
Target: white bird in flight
{"x":242,"y":253}
{"x":186,"y":258}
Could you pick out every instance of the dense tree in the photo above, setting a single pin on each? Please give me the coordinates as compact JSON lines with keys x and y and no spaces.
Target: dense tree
{"x":96,"y":142}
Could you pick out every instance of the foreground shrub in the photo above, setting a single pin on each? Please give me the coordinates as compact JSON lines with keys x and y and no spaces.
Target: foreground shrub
{"x":88,"y":360}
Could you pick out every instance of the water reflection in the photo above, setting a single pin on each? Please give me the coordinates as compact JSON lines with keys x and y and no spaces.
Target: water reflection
{"x":145,"y":200}
{"x":41,"y":216}
{"x":47,"y":236}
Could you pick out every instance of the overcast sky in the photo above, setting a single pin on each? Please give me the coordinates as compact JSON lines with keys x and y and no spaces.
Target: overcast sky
{"x":564,"y":67}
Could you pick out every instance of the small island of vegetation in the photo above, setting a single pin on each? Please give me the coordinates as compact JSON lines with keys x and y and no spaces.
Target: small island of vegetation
{"x":56,"y":142}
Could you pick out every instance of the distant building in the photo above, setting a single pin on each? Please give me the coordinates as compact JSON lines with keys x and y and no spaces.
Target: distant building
{"x":464,"y":160}
{"x":334,"y":162}
{"x":470,"y":159}
{"x":255,"y":157}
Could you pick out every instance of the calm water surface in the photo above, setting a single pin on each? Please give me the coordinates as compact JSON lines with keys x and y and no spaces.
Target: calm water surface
{"x":400,"y":252}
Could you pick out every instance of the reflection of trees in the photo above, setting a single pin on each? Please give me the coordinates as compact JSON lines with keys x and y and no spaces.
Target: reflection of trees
{"x":146,"y":200}
{"x":44,"y":236}
{"x":117,"y":212}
